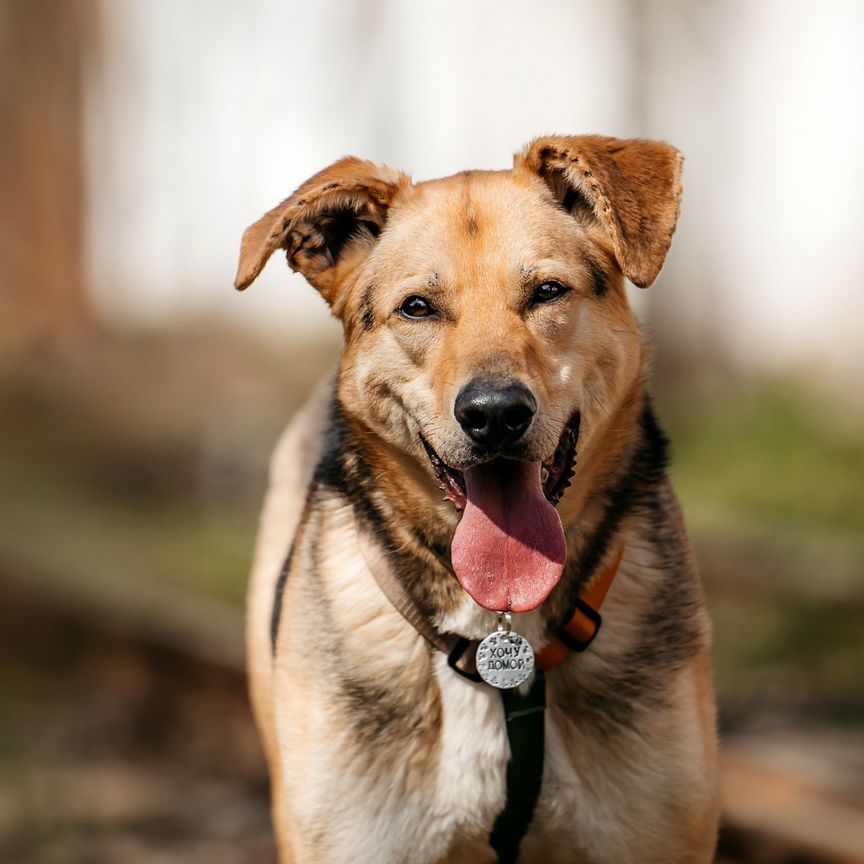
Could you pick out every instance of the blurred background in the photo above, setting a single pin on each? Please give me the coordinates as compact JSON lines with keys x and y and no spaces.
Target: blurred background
{"x":140,"y":396}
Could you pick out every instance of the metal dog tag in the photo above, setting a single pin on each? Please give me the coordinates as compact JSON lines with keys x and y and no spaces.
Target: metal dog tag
{"x":504,"y":658}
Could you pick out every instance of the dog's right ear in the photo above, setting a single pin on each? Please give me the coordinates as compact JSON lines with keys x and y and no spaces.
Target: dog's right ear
{"x":330,"y":221}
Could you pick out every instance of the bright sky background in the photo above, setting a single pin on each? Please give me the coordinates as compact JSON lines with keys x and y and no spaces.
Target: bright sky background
{"x":204,"y":115}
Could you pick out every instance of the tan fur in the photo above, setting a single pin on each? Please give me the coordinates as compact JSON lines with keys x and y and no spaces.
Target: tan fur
{"x":378,"y":751}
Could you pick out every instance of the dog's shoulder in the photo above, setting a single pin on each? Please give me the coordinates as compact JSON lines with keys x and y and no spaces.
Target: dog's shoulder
{"x":292,"y":469}
{"x":301,"y":445}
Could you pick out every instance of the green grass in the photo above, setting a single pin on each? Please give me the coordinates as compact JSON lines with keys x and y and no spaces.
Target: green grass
{"x":771,"y":485}
{"x":771,"y":454}
{"x":62,"y":526}
{"x":787,"y":655}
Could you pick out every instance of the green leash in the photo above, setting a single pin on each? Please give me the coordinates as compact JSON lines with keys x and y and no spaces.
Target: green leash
{"x":525,"y":731}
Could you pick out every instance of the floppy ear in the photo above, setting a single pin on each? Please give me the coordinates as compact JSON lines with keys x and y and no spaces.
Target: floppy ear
{"x":632,"y":187}
{"x":333,"y":218}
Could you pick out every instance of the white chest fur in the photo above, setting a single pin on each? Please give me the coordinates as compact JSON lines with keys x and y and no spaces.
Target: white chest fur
{"x":592,"y":807}
{"x":474,"y":753}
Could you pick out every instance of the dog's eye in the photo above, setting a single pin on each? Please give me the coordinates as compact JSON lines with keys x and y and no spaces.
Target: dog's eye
{"x":548,"y":291}
{"x":416,"y":307}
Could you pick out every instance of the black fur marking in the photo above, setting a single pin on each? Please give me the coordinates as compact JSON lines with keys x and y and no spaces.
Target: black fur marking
{"x":670,"y":634}
{"x":276,"y":612}
{"x":342,"y":470}
{"x":670,"y":629}
{"x":330,"y":471}
{"x":367,"y":314}
{"x":599,"y":277}
{"x":646,"y":471}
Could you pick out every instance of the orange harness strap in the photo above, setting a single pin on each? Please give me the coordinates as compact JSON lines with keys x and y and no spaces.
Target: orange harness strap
{"x":578,"y":633}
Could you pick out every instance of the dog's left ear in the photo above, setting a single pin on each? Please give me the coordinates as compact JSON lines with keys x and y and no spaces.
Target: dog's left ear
{"x":633,"y":189}
{"x":326,"y":225}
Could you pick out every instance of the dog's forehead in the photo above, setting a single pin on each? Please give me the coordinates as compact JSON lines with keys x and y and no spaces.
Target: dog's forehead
{"x":475,"y":212}
{"x":478,"y":201}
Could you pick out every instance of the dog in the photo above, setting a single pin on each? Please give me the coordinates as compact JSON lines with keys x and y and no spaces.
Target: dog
{"x":486,"y":453}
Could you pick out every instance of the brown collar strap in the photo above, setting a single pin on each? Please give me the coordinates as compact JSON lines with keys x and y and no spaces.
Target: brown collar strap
{"x":575,"y":635}
{"x":460,"y":658}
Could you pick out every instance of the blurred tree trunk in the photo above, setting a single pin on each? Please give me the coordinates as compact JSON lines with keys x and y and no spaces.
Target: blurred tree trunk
{"x":44,"y":45}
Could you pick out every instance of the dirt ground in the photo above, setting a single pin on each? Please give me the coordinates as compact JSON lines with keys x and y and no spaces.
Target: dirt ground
{"x":112,"y":750}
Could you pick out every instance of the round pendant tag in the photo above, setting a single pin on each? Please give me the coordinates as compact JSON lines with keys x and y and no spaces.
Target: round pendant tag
{"x":505,"y":660}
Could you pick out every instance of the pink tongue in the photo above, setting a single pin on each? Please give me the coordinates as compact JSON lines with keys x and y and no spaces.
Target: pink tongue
{"x":509,"y":548}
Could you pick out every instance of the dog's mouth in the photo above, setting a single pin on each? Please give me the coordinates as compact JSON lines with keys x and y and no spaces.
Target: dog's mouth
{"x":508,"y":551}
{"x":555,"y":475}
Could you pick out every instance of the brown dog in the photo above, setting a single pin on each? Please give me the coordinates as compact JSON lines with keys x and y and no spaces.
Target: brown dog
{"x":490,"y":354}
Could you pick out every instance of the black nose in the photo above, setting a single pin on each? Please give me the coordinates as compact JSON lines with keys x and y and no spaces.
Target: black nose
{"x":495,"y":415}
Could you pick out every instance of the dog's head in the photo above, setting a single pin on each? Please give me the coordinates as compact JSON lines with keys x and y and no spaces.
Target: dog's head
{"x":487,"y":327}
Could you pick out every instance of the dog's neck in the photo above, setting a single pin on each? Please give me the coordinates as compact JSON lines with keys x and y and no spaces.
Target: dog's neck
{"x":618,"y":453}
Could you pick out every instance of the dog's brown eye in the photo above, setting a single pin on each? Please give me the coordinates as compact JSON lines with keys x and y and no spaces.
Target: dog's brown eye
{"x":416,"y":307}
{"x":547,"y":291}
